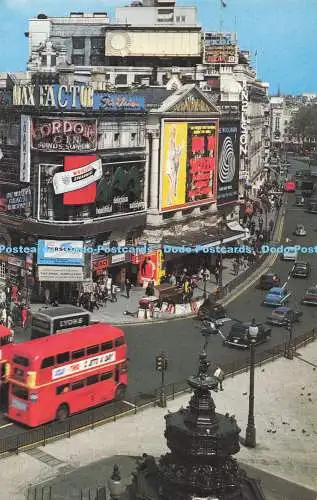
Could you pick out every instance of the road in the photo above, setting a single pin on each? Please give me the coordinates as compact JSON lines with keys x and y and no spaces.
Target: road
{"x":182,"y":339}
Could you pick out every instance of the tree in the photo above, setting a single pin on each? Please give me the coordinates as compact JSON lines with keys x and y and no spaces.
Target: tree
{"x":304,"y":124}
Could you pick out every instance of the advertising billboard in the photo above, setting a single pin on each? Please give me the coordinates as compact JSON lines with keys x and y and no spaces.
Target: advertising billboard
{"x":64,"y":135}
{"x":189,"y":159}
{"x":108,"y":188}
{"x":60,"y":253}
{"x":19,"y":200}
{"x":60,"y":273}
{"x":75,"y":98}
{"x":244,"y":130}
{"x":220,"y":48}
{"x":228,"y":166}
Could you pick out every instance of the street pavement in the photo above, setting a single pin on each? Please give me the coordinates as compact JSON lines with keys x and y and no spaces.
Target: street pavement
{"x":286,"y":425}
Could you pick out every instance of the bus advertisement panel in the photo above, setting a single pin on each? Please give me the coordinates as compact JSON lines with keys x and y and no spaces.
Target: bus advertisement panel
{"x":54,"y":377}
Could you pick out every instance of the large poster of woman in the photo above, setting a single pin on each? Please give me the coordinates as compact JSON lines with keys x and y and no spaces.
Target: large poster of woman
{"x":174,"y":164}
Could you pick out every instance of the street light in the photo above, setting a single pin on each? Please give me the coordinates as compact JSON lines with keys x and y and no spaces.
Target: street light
{"x":290,"y":348}
{"x":205,"y":284}
{"x":220,"y":236}
{"x":250,"y":436}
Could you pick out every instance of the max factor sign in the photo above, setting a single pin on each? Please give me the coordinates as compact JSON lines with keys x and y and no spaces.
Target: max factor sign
{"x":244,"y":122}
{"x":74,"y":97}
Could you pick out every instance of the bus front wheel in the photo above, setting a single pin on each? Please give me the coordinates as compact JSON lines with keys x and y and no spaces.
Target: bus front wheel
{"x":62,"y":412}
{"x":120,"y":393}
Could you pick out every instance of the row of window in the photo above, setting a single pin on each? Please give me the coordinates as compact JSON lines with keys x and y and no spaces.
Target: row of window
{"x":93,"y":379}
{"x":96,"y":42}
{"x":65,"y":357}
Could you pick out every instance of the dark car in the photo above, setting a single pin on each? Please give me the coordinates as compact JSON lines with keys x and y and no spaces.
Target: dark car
{"x":268,"y":281}
{"x":300,"y":201}
{"x":310,"y":297}
{"x":301,"y":270}
{"x":215,"y":313}
{"x":282,"y":315}
{"x":238,"y":335}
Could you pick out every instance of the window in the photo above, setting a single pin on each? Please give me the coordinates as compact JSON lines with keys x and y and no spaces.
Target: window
{"x":106,"y":376}
{"x":97,"y":42}
{"x":78,"y":60}
{"x":133,"y":136}
{"x":78,"y":42}
{"x":53,"y":60}
{"x":63,"y":357}
{"x":97,"y":60}
{"x":183,"y":19}
{"x":116,"y":137}
{"x":92,"y":380}
{"x":62,"y":389}
{"x":78,"y":385}
{"x":19,"y":360}
{"x":93,"y":349}
{"x":20,"y":392}
{"x":119,"y":341}
{"x":3,"y":270}
{"x":78,"y":354}
{"x":106,"y":346}
{"x":47,"y":362}
{"x":178,"y":19}
{"x":44,"y":60}
{"x":121,"y":79}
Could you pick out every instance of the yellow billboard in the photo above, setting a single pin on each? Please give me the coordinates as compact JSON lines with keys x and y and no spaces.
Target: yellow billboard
{"x":174,"y":165}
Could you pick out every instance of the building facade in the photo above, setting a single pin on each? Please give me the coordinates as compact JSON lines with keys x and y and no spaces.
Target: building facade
{"x":73,"y":166}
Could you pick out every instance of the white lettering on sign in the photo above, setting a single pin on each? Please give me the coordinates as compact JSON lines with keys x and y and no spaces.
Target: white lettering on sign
{"x":244,"y":125}
{"x":83,"y":365}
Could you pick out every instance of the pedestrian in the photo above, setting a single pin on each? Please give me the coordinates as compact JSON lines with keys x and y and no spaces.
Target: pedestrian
{"x":47,"y":296}
{"x":219,"y":375}
{"x":172,"y":279}
{"x":93,"y":302}
{"x":127,"y":287}
{"x":114,"y":293}
{"x":24,"y":315}
{"x":108,"y":285}
{"x":3,"y":298}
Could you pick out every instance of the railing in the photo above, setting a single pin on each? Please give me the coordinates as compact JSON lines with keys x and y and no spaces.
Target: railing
{"x":113,"y":411}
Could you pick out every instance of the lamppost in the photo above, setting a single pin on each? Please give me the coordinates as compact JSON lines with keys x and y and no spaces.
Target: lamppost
{"x":161,"y":366}
{"x":205,"y":285}
{"x":250,"y":436}
{"x":220,"y":236}
{"x":290,"y":347}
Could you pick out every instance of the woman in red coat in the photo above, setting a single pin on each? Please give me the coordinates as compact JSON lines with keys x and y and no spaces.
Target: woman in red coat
{"x":24,"y":315}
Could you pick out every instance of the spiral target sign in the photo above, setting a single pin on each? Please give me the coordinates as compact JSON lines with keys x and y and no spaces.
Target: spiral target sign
{"x":227,"y":162}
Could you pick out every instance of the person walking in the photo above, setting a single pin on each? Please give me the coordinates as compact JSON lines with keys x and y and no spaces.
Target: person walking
{"x":128,"y":287}
{"x":108,"y":285}
{"x":219,"y":375}
{"x":114,"y":293}
{"x":24,"y":315}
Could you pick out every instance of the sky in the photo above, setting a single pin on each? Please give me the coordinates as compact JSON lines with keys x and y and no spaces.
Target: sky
{"x":282,"y":32}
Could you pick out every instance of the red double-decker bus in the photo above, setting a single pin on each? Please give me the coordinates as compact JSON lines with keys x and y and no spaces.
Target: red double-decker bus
{"x":53,"y":377}
{"x":290,"y":186}
{"x":6,"y":342}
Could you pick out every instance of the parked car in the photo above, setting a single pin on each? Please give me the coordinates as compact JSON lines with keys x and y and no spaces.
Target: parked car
{"x":268,"y":281}
{"x":300,"y":230}
{"x":300,"y":201}
{"x":310,"y":297}
{"x":289,"y":253}
{"x":277,"y":296}
{"x":238,"y":335}
{"x":301,"y":270}
{"x":282,"y":315}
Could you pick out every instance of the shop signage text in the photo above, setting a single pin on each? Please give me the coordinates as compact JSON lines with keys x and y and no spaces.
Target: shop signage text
{"x":74,"y":97}
{"x":193,"y":104}
{"x":25,"y":156}
{"x":71,"y":180}
{"x":18,"y":200}
{"x":83,"y":365}
{"x":244,"y":124}
{"x":60,"y":253}
{"x":64,"y":135}
{"x":60,"y":273}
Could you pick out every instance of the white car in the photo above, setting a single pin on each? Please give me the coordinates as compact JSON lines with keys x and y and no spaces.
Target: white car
{"x":300,"y":230}
{"x":289,"y":253}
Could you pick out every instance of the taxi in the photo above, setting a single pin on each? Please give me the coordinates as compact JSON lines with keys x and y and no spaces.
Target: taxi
{"x":277,"y":296}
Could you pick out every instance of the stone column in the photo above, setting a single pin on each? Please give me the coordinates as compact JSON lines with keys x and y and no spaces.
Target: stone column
{"x":154,"y":165}
{"x":147,"y":170}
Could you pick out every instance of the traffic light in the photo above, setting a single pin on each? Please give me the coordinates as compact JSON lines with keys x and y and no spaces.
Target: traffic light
{"x":161,"y":363}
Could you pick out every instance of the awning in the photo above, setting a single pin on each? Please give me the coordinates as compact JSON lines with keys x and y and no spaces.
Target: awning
{"x":206,"y":238}
{"x":235,"y":226}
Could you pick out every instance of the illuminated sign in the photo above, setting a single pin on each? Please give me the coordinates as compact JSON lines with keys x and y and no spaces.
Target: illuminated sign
{"x":86,"y":364}
{"x":74,"y":97}
{"x":244,"y":125}
{"x":78,"y":178}
{"x":64,"y":135}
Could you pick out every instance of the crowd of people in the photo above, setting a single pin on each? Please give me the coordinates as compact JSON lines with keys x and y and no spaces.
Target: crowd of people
{"x":14,"y":310}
